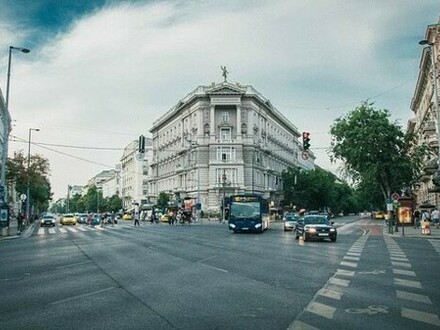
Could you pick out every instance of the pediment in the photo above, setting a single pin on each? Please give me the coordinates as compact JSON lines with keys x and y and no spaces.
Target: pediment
{"x":225,"y":89}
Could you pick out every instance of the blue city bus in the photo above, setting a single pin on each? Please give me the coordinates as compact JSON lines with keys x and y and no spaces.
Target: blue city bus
{"x":248,"y":212}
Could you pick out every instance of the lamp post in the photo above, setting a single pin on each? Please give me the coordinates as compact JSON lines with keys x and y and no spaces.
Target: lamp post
{"x":28,"y":204}
{"x":224,"y":184}
{"x":436,"y":178}
{"x":6,"y":123}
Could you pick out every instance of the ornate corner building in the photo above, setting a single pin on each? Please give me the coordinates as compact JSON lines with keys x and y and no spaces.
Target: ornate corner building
{"x":223,"y":139}
{"x":425,"y":124}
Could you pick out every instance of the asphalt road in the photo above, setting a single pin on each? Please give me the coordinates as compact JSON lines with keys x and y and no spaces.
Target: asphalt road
{"x":203,"y":276}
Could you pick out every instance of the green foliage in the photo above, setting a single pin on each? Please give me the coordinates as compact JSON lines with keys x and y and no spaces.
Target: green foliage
{"x":376,"y":151}
{"x":37,"y":175}
{"x":162,"y":200}
{"x":317,"y":190}
{"x":92,"y":201}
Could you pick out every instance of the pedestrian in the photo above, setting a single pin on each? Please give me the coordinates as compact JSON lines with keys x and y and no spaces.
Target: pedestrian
{"x":435,"y":217}
{"x":19,"y":223}
{"x":416,"y":216}
{"x":136,"y":219}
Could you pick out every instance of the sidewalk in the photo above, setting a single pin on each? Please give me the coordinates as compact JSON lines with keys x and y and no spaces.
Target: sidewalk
{"x":13,"y":232}
{"x":411,"y":232}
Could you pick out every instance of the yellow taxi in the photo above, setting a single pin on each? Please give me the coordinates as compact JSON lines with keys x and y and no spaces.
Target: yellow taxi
{"x":68,"y":219}
{"x":378,"y":215}
{"x":127,"y":216}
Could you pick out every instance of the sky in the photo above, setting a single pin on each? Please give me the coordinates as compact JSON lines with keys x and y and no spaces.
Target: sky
{"x":99,"y":73}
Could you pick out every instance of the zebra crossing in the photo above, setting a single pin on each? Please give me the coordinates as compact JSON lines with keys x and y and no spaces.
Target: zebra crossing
{"x":78,"y":229}
{"x":436,"y":244}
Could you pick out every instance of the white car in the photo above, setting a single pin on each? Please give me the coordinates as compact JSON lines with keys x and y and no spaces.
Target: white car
{"x":290,"y":221}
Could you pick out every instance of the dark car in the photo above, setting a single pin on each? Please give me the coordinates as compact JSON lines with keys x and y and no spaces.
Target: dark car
{"x":315,"y":227}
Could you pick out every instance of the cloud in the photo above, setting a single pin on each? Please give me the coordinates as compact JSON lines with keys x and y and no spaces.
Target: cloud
{"x":103,"y":79}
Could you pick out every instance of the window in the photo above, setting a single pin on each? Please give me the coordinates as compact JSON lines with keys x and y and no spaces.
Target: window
{"x":225,"y":116}
{"x":225,"y":134}
{"x":225,"y":154}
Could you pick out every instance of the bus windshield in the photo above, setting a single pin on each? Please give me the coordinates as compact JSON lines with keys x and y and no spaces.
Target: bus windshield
{"x":245,"y":210}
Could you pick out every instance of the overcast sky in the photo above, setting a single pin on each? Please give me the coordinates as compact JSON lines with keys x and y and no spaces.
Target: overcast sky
{"x":101,"y":72}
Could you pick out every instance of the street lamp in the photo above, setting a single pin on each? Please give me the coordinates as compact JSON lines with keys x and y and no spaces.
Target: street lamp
{"x":436,"y":178}
{"x":7,"y":122}
{"x":28,"y":204}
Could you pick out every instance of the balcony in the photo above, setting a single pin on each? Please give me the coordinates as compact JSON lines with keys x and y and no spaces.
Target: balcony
{"x":425,"y":177}
{"x":428,"y":127}
{"x":432,"y":141}
{"x":430,"y":166}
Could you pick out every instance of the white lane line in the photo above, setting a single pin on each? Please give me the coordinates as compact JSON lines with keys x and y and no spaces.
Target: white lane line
{"x":408,"y":283}
{"x":81,"y":296}
{"x":81,"y":228}
{"x":401,"y":264}
{"x":345,"y":272}
{"x":404,"y":272}
{"x":413,"y":297}
{"x":349,"y":264}
{"x":402,"y":259}
{"x":41,"y":231}
{"x":321,"y":309}
{"x":420,"y":316}
{"x":339,"y":281}
{"x":355,"y":254}
{"x":298,"y":325}
{"x":62,"y":230}
{"x":331,"y":294}
{"x":51,"y":230}
{"x":351,"y":258}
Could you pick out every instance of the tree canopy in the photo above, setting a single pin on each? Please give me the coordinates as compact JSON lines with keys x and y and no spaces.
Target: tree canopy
{"x":376,"y":151}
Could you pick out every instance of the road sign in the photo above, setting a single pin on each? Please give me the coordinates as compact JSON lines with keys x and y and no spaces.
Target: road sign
{"x":305,"y":155}
{"x":395,"y":196}
{"x":23,"y":197}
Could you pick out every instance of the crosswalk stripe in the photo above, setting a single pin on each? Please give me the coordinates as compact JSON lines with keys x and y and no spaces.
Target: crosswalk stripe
{"x":404,"y":272}
{"x":321,"y":309}
{"x":420,"y":316}
{"x":408,"y":283}
{"x":62,"y":230}
{"x":413,"y":297}
{"x":51,"y":231}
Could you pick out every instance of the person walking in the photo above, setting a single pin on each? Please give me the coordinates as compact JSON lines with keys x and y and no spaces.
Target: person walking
{"x":136,"y":219}
{"x":19,"y":223}
{"x":416,"y":216}
{"x":435,"y":217}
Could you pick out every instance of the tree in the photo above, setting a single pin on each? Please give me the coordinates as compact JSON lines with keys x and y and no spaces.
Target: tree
{"x":376,"y":151}
{"x":162,"y":200}
{"x":37,"y":176}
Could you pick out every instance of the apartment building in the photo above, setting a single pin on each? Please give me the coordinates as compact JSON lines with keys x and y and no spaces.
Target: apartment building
{"x":425,"y":106}
{"x":223,"y":139}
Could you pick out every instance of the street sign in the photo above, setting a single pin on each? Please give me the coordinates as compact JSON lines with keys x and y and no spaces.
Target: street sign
{"x":23,"y":197}
{"x":305,"y":155}
{"x":395,"y":196}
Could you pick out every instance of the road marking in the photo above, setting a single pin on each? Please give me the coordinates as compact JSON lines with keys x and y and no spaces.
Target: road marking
{"x":51,"y":231}
{"x":40,"y":231}
{"x":351,"y":258}
{"x":356,"y":254}
{"x":298,"y":325}
{"x":321,"y":309}
{"x":420,"y":316}
{"x":401,"y":264}
{"x":62,"y":230}
{"x":404,"y":272}
{"x":81,"y":296}
{"x":345,"y":272}
{"x":349,"y":264}
{"x":329,"y":293}
{"x":407,"y":283}
{"x":413,"y":297}
{"x":339,"y":281}
{"x":74,"y":265}
{"x":399,"y":259}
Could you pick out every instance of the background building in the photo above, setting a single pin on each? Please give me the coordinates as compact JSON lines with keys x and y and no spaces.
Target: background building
{"x":223,"y":139}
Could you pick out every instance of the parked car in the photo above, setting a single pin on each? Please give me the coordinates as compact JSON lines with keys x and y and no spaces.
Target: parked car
{"x":127,"y":216}
{"x":315,"y":227}
{"x":68,"y":219}
{"x":290,"y":221}
{"x":47,"y":220}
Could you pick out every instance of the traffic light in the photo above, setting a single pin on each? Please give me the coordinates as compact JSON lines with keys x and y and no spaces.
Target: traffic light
{"x":306,"y":141}
{"x":141,"y":144}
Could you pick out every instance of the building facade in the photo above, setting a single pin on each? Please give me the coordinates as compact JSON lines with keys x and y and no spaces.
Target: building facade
{"x":425,"y":106}
{"x":220,"y":140}
{"x":135,"y":171}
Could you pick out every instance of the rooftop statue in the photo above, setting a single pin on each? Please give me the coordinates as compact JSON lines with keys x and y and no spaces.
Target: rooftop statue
{"x":225,"y":72}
